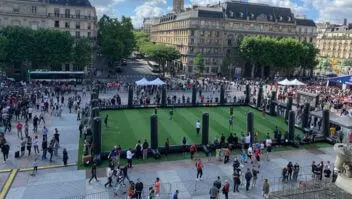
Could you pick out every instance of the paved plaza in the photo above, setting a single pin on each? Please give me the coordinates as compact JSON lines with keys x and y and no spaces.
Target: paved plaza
{"x":69,"y":182}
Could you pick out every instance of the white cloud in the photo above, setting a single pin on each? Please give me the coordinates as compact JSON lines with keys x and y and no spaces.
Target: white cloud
{"x":151,"y":8}
{"x":333,"y":11}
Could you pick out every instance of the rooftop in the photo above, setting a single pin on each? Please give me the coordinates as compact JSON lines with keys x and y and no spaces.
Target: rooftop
{"x":80,"y":3}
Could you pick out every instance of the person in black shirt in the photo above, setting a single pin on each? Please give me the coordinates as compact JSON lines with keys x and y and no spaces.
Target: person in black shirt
{"x":94,"y":173}
{"x":35,"y":124}
{"x":138,"y":149}
{"x":167,"y":147}
{"x":106,"y":120}
{"x":139,"y":189}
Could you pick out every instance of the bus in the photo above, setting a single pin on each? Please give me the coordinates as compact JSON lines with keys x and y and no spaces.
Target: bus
{"x":62,"y":76}
{"x":155,"y":68}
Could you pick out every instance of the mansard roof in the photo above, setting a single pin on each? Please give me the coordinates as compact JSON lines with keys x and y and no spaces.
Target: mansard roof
{"x":245,"y":11}
{"x":79,"y":3}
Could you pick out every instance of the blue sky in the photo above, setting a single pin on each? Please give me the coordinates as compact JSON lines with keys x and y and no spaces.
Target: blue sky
{"x":319,"y":10}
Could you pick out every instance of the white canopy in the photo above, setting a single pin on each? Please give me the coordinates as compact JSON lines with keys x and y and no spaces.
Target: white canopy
{"x":285,"y":82}
{"x":157,"y":82}
{"x":142,"y":82}
{"x":296,"y":82}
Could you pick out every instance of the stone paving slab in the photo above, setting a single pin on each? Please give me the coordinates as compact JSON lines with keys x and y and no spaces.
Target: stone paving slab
{"x":3,"y":179}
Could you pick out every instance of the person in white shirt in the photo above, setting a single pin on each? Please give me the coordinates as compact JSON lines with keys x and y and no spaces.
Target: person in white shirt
{"x":198,"y":127}
{"x":268,"y":143}
{"x":36,"y":145}
{"x":109,"y":173}
{"x":30,"y":112}
{"x":129,"y":156}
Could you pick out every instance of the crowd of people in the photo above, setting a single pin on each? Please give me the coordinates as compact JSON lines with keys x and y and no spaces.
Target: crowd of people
{"x":25,"y":111}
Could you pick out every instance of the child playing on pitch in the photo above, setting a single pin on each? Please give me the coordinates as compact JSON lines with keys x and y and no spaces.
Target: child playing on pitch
{"x":171,"y":113}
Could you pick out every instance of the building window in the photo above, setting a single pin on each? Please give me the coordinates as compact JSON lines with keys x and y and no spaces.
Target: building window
{"x":217,"y":33}
{"x":78,"y":14}
{"x":67,"y":13}
{"x":67,"y":24}
{"x":192,"y":33}
{"x":192,"y":41}
{"x":89,"y":35}
{"x":229,"y":42}
{"x":78,"y":25}
{"x":78,"y":34}
{"x":89,"y":26}
{"x":57,"y":12}
{"x":191,"y":49}
{"x":34,"y":9}
{"x":202,"y":33}
{"x":16,"y":10}
{"x":57,"y":24}
{"x":190,"y":69}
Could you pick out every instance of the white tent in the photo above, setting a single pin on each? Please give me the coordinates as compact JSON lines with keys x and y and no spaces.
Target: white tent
{"x":142,"y":82}
{"x":157,"y":82}
{"x":285,"y":82}
{"x":296,"y":82}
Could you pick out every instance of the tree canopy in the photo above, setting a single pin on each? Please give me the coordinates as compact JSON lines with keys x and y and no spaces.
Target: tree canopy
{"x":24,"y":48}
{"x":161,"y":53}
{"x":284,"y":54}
{"x":115,"y":37}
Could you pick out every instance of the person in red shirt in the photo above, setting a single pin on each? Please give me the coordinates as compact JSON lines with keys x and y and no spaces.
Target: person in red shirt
{"x":19,"y":127}
{"x":226,"y":189}
{"x":199,"y":167}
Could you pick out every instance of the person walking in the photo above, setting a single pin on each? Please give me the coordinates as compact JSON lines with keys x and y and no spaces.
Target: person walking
{"x":35,"y":167}
{"x":5,"y":151}
{"x":64,"y":156}
{"x":57,"y":137}
{"x":139,"y":189}
{"x":106,"y":120}
{"x":175,"y":195}
{"x":145,"y":147}
{"x":29,"y":145}
{"x":248,"y":176}
{"x":227,"y":153}
{"x":167,"y":147}
{"x":197,"y":127}
{"x":51,"y":149}
{"x":23,"y":146}
{"x":109,"y":174}
{"x":44,"y":148}
{"x":129,"y":156}
{"x":236,"y":180}
{"x":266,"y":189}
{"x":226,"y":189}
{"x":94,"y":173}
{"x":199,"y":167}
{"x":19,"y":127}
{"x":214,"y":192}
{"x":157,"y":187}
{"x":26,"y":129}
{"x":255,"y":176}
{"x":36,"y":145}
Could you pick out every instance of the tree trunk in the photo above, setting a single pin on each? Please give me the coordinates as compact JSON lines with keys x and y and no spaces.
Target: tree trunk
{"x":253,"y":70}
{"x":262,"y":71}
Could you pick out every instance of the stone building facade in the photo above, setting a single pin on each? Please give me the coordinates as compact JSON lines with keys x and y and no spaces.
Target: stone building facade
{"x":335,"y":42}
{"x":215,"y":31}
{"x":78,"y":17}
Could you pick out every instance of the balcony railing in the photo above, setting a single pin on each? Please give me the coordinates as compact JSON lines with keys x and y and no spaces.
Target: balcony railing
{"x":67,"y":16}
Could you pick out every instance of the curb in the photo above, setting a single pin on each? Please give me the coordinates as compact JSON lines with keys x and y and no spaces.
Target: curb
{"x":8,"y":183}
{"x":48,"y":167}
{"x":5,"y":171}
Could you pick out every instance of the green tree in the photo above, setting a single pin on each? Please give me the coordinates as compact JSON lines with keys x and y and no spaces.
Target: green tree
{"x":3,"y":53}
{"x":115,"y":38}
{"x":199,"y":62}
{"x":82,"y":53}
{"x":160,"y":53}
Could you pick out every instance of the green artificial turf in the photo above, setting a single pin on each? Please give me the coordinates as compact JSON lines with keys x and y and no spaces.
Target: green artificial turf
{"x":126,"y":126}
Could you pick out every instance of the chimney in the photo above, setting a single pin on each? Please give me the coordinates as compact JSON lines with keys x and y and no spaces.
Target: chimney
{"x":345,"y":22}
